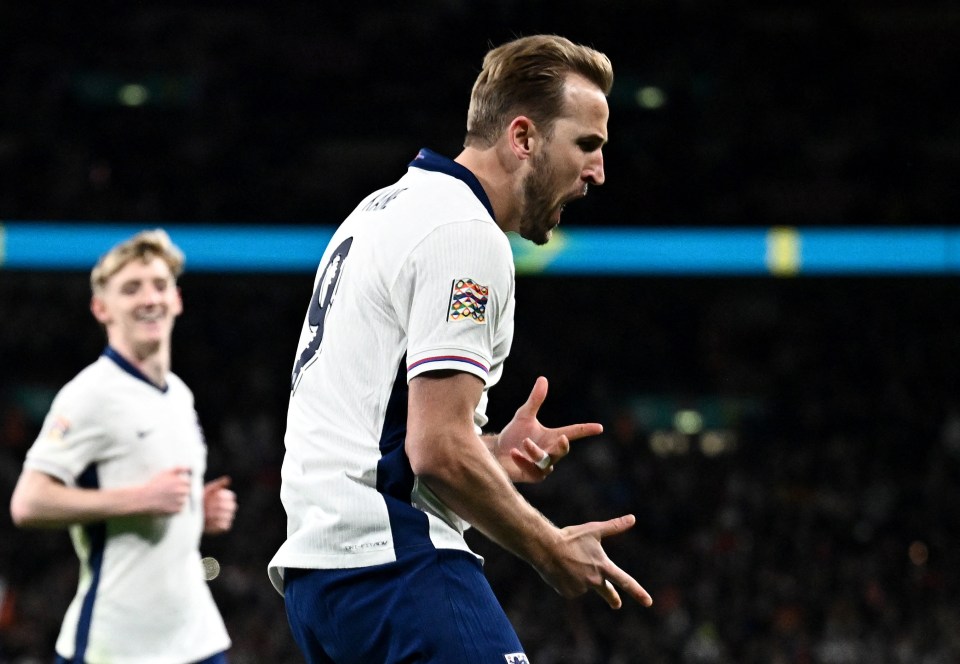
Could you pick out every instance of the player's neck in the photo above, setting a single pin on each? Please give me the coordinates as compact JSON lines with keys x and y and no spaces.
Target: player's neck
{"x":496,"y":175}
{"x":152,"y":360}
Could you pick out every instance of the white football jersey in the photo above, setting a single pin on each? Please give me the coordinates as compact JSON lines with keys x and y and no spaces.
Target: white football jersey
{"x":418,"y":278}
{"x":141,"y":597}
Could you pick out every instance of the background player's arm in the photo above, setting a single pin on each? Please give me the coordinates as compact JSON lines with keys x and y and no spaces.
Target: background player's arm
{"x":446,"y":453}
{"x":43,"y":501}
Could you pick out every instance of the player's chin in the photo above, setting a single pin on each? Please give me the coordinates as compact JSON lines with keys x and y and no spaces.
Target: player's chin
{"x":152,"y":329}
{"x":155,"y":336}
{"x":539,"y":234}
{"x":540,"y":238}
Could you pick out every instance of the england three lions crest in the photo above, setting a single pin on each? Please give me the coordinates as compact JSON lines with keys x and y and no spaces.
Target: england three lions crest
{"x":468,"y":301}
{"x":517,"y":658}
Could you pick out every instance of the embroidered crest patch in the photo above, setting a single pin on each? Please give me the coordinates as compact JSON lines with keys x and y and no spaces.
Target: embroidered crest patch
{"x":516,"y":658}
{"x":468,"y":301}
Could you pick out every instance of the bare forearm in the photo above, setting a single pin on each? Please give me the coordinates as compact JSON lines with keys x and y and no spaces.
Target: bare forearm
{"x":474,"y":485}
{"x":456,"y":464}
{"x":448,"y":456}
{"x":39,"y":501}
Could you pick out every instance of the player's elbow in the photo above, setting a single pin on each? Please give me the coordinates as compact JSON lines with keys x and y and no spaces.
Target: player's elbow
{"x":422,"y":463}
{"x":432,"y":458}
{"x":21,"y":511}
{"x":26,"y":503}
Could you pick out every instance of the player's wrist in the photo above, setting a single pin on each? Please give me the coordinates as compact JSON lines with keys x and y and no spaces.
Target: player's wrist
{"x":136,"y":499}
{"x":542,"y":548}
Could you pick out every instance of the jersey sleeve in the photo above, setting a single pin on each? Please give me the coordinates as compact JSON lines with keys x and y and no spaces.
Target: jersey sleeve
{"x":453,"y":292}
{"x":72,"y":437}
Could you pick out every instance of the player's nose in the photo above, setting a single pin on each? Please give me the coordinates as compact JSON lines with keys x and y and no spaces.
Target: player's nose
{"x":593,"y":172}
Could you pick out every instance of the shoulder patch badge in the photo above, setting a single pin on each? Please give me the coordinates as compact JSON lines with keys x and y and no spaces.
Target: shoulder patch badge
{"x":468,"y":301}
{"x":517,"y":658}
{"x":58,"y":429}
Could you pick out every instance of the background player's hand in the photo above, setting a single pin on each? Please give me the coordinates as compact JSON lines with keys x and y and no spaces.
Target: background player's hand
{"x":523,"y":445}
{"x":167,"y":491}
{"x":219,"y":506}
{"x":580,"y":564}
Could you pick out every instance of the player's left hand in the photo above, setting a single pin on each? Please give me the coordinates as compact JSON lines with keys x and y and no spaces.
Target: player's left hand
{"x":219,"y":506}
{"x":528,"y":450}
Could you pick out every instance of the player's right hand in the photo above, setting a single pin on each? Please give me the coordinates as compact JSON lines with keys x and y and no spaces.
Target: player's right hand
{"x":581,"y":564}
{"x":167,"y":491}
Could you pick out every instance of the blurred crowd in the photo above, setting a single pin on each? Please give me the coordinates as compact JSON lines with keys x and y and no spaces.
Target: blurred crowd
{"x":824,"y":532}
{"x":759,"y":114}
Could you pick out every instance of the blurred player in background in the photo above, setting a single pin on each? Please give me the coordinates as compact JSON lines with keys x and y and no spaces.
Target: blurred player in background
{"x":410,"y":323}
{"x":120,"y":460}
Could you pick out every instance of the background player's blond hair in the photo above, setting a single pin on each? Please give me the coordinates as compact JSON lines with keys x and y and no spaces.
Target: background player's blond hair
{"x":145,"y":246}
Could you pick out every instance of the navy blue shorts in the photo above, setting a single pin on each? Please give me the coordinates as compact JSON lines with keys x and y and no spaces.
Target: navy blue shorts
{"x":434,"y":606}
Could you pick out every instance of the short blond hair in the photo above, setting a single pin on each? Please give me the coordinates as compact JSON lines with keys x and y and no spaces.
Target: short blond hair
{"x":527,"y":76}
{"x":144,"y":246}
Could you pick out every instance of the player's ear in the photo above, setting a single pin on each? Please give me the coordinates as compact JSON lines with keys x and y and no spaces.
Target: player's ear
{"x":99,"y":309}
{"x":178,"y":303}
{"x":522,"y":136}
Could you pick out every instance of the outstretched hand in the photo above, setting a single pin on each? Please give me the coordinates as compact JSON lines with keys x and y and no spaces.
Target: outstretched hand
{"x":582,"y":565}
{"x":528,"y":450}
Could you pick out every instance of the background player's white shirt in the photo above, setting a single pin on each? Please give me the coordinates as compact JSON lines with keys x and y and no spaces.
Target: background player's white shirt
{"x":142,"y":597}
{"x":418,"y":278}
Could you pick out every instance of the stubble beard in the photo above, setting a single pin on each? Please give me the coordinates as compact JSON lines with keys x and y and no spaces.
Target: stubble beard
{"x":537,"y":206}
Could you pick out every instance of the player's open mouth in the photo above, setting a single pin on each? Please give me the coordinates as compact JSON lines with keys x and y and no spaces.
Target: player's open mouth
{"x":556,"y":219}
{"x":580,"y":194}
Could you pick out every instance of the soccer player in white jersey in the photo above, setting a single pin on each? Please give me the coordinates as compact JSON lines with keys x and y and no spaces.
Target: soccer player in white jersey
{"x":120,"y":460}
{"x":409,"y":325}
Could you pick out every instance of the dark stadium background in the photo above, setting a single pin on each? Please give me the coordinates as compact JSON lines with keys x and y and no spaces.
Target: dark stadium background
{"x":804,"y":506}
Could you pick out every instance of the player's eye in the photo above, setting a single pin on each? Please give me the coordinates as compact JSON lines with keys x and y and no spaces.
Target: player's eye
{"x":590,"y":144}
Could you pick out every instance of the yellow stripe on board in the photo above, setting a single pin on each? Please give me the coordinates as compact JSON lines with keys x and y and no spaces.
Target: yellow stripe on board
{"x":783,"y":251}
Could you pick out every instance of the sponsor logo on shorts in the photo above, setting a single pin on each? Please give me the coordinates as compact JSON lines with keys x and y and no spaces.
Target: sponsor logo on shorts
{"x":516,"y":658}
